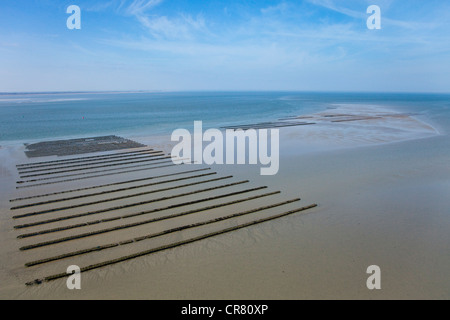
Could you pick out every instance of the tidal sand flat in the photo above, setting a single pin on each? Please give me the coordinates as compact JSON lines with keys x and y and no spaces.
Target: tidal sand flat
{"x":379,"y":176}
{"x":353,"y":125}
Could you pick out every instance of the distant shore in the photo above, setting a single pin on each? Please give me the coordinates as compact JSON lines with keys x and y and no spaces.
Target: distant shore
{"x":76,"y":92}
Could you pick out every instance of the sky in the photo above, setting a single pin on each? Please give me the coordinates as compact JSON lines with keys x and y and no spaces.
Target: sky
{"x":190,"y":45}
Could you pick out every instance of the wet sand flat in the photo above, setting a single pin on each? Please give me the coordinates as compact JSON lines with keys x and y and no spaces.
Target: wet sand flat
{"x":380,"y":201}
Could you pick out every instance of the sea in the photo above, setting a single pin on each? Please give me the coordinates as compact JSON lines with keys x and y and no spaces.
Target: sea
{"x":32,"y":117}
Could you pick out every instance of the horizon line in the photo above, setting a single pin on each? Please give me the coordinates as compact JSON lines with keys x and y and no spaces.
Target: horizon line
{"x":210,"y":90}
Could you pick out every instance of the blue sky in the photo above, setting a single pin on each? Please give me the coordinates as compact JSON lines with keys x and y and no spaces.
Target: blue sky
{"x":318,"y":45}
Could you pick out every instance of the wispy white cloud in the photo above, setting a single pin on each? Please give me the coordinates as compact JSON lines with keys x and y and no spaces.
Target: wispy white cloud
{"x":362,"y":15}
{"x":281,"y":7}
{"x":181,"y":26}
{"x":329,"y":4}
{"x":139,"y":7}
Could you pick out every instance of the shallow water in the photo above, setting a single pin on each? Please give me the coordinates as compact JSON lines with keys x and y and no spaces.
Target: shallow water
{"x":34,"y":117}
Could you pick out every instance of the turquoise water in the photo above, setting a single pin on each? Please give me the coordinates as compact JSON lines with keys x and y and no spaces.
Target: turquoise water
{"x":30,"y":117}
